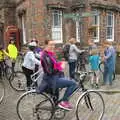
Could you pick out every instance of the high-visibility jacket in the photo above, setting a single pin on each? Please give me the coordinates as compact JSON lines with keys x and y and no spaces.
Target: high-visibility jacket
{"x":12,"y":51}
{"x":1,"y":55}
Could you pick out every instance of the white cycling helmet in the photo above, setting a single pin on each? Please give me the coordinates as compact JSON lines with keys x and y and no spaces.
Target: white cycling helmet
{"x":32,"y":44}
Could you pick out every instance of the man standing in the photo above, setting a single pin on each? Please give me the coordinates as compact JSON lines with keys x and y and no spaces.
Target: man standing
{"x":109,"y":62}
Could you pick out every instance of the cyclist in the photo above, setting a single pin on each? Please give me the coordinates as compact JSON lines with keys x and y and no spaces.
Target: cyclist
{"x":29,"y":63}
{"x":1,"y":60}
{"x":12,"y":52}
{"x":53,"y":76}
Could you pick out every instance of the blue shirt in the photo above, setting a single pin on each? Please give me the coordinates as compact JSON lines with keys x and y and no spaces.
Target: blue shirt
{"x":94,"y":62}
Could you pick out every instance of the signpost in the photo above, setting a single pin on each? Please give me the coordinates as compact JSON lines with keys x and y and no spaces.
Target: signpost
{"x":77,"y":16}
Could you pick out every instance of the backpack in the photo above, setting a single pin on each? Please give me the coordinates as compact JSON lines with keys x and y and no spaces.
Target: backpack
{"x":47,"y":64}
{"x":66,"y":49}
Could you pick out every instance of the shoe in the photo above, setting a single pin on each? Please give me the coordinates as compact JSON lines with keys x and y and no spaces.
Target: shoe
{"x":96,"y":86}
{"x":65,"y":105}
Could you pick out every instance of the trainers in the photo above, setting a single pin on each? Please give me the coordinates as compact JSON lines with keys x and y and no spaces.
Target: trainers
{"x":65,"y":105}
{"x":96,"y":86}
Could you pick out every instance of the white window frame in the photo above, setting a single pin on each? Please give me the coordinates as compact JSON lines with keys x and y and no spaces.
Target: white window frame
{"x":57,"y":29}
{"x":23,"y":29}
{"x":78,"y":31}
{"x":97,"y":24}
{"x":110,"y":38}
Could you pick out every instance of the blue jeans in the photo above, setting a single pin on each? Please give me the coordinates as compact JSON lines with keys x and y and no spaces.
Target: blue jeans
{"x":70,"y":86}
{"x":108,"y":74}
{"x":72,"y":66}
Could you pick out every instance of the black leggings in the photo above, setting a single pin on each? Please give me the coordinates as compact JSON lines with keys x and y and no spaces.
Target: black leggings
{"x":28,"y":74}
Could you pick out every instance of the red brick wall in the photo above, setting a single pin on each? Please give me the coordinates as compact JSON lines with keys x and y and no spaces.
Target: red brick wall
{"x":39,"y":20}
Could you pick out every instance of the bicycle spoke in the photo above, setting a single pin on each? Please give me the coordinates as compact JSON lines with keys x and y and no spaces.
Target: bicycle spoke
{"x":2,"y":90}
{"x":90,"y":107}
{"x":18,"y":81}
{"x":33,"y":106}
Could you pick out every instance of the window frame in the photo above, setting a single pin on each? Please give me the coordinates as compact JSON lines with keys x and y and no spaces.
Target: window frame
{"x":96,"y":14}
{"x":57,"y":28}
{"x":110,"y":26}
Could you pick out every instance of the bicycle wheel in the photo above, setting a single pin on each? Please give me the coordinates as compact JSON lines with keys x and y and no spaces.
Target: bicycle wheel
{"x":2,"y":90}
{"x":8,"y":72}
{"x":18,"y":81}
{"x":33,"y":106}
{"x":90,"y":106}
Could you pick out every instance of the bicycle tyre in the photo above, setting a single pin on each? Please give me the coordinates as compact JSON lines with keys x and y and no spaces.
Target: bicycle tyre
{"x":2,"y":91}
{"x":40,"y":104}
{"x":18,"y":81}
{"x":90,"y":106}
{"x":101,"y":68}
{"x":8,"y":72}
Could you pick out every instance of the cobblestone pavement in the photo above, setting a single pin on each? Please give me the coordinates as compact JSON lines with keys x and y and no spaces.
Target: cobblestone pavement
{"x":112,"y":101}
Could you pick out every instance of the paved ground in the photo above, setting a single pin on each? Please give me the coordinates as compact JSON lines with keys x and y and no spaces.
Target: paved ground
{"x":112,"y":102}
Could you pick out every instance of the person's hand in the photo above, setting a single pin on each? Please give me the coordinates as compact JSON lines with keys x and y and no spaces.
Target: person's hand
{"x":82,"y":51}
{"x":4,"y":50}
{"x":63,"y":64}
{"x":104,"y":58}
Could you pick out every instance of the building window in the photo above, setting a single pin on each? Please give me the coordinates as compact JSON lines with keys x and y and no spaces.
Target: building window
{"x":23,"y":29}
{"x":57,"y":26}
{"x":110,"y":27}
{"x":96,"y":24}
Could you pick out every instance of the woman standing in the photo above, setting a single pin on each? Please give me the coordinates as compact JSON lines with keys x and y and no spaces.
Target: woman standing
{"x":73,"y":54}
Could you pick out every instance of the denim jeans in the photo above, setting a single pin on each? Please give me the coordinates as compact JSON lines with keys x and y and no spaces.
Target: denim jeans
{"x":108,"y":74}
{"x":72,"y":66}
{"x":70,"y":86}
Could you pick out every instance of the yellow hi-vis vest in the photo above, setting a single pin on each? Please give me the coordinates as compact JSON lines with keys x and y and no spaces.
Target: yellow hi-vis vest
{"x":1,"y":55}
{"x":12,"y":51}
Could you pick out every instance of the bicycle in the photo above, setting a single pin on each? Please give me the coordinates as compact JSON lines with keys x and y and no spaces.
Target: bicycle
{"x":44,"y":107}
{"x":18,"y":81}
{"x":6,"y":69}
{"x":20,"y":59}
{"x":82,"y":61}
{"x":101,"y":68}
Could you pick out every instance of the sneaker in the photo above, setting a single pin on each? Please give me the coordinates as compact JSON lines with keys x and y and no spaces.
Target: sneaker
{"x":96,"y":86}
{"x":65,"y":105}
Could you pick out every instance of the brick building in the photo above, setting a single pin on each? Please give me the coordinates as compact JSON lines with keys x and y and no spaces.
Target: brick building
{"x":7,"y":17}
{"x":60,"y":20}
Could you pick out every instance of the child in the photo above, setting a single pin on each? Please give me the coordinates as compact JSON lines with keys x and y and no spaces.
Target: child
{"x":1,"y":60}
{"x":94,"y":63}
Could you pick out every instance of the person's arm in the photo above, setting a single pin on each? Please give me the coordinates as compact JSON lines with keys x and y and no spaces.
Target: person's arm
{"x":7,"y":54}
{"x":108,"y":54}
{"x":78,"y":50}
{"x":35,"y":60}
{"x":37,"y":55}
